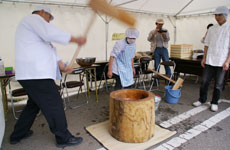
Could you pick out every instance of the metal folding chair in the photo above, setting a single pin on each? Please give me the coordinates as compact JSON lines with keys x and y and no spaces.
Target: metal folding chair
{"x":155,"y":77}
{"x":75,"y":84}
{"x":19,"y":92}
{"x":105,"y":78}
{"x":144,"y":72}
{"x":137,"y":75}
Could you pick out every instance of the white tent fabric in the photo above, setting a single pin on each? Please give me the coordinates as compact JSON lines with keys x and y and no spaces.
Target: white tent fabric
{"x":162,"y":7}
{"x":172,"y":7}
{"x":188,"y":27}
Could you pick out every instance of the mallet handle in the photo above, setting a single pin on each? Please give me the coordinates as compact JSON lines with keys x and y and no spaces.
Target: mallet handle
{"x":178,"y":84}
{"x":93,"y":17}
{"x":167,"y":78}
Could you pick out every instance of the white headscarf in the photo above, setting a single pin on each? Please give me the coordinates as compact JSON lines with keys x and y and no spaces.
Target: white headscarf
{"x":222,"y":10}
{"x":132,"y":33}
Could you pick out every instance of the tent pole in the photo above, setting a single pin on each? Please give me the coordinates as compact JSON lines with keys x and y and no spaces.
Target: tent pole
{"x":174,"y":27}
{"x":176,"y":19}
{"x":175,"y":35}
{"x":106,"y":21}
{"x":106,"y":36}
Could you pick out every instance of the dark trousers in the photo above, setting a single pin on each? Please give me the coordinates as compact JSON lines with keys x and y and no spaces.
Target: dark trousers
{"x":43,"y":94}
{"x":118,"y":85}
{"x":218,"y":74}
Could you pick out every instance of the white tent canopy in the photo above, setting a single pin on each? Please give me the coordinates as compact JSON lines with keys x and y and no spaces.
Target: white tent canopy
{"x":186,"y":21}
{"x":162,"y":7}
{"x":176,"y":7}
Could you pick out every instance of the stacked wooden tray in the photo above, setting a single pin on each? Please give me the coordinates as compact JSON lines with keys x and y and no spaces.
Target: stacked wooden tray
{"x":181,"y":51}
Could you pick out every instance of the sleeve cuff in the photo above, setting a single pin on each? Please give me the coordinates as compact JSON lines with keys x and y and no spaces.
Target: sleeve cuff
{"x":68,"y":38}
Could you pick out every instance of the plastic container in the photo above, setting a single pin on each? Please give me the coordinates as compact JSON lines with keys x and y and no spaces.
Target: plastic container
{"x":2,"y":68}
{"x":157,"y":101}
{"x":8,"y":70}
{"x":172,"y":96}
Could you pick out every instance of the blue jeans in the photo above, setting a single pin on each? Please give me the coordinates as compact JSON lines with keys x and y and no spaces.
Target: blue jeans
{"x":208,"y":73}
{"x":161,"y":53}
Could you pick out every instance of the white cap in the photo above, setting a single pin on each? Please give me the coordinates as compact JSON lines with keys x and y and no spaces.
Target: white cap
{"x":132,"y":33}
{"x":45,"y":8}
{"x":221,"y":10}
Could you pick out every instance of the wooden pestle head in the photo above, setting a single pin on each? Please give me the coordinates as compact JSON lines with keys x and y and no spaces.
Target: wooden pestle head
{"x":113,"y":11}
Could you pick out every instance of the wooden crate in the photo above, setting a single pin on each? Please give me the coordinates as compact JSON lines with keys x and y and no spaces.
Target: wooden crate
{"x":181,"y":51}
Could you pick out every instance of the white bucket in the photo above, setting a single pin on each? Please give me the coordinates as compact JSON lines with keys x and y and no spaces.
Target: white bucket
{"x":157,"y":101}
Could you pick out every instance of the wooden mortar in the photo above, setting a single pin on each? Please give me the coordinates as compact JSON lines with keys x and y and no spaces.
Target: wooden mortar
{"x":132,"y":115}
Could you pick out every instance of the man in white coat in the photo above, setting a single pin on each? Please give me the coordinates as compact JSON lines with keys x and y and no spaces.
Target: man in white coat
{"x":36,"y":69}
{"x":216,"y":58}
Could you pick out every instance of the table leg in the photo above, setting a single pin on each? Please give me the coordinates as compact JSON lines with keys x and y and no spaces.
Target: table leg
{"x":95,"y":80}
{"x":81,"y":81}
{"x":87,"y":82}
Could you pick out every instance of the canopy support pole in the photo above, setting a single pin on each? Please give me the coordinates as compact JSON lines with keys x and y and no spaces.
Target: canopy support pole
{"x":174,"y":27}
{"x":107,"y":21}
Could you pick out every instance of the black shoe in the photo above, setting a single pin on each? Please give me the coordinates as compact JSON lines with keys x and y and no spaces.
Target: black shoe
{"x":70,"y":142}
{"x":15,"y":141}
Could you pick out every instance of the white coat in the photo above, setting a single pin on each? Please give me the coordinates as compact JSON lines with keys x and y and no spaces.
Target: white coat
{"x":218,"y":42}
{"x":35,"y":56}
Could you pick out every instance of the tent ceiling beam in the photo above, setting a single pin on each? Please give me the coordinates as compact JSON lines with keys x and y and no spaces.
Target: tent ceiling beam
{"x":183,"y":8}
{"x":47,"y":3}
{"x":198,"y":14}
{"x":101,"y":17}
{"x":131,"y":1}
{"x":147,"y":12}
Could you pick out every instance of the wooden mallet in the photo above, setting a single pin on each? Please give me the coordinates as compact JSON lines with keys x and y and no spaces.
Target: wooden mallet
{"x":177,"y":84}
{"x":107,"y":9}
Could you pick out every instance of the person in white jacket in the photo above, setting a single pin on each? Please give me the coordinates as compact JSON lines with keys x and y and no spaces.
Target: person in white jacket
{"x":36,"y":69}
{"x":216,"y":58}
{"x":121,"y":65}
